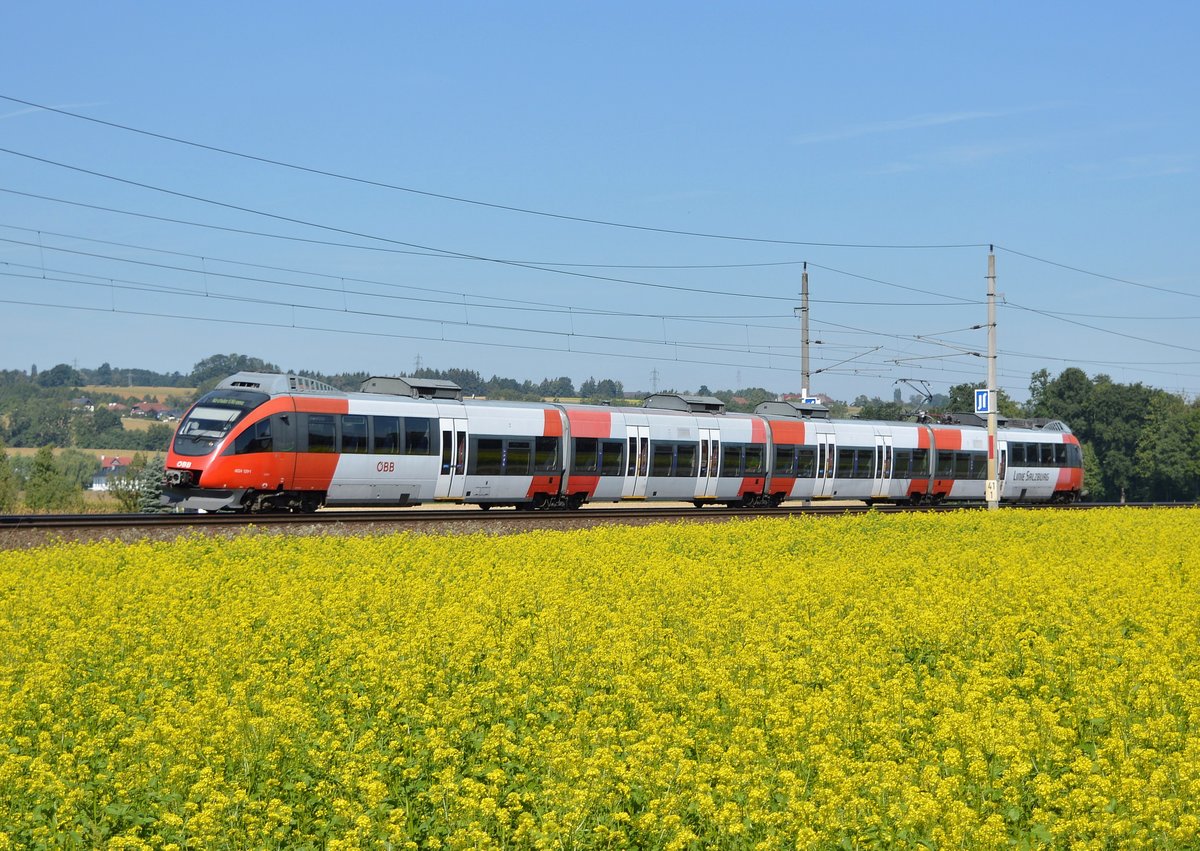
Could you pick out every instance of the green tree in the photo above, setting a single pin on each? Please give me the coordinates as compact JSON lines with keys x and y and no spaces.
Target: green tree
{"x":1168,"y":450}
{"x":1093,"y":475}
{"x":211,"y":370}
{"x":126,"y":485}
{"x":9,"y":489}
{"x":150,"y":484}
{"x":48,"y":488}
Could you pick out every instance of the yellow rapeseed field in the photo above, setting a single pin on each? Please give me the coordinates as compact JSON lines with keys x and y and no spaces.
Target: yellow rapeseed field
{"x":965,"y":680}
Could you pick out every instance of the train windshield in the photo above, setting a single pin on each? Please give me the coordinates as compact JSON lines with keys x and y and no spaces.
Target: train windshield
{"x":212,"y":418}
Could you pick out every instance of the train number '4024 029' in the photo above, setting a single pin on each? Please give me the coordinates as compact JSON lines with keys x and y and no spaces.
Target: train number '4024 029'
{"x":386,"y":467}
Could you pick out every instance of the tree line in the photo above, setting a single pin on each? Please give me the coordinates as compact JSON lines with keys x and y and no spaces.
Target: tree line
{"x":1139,"y":443}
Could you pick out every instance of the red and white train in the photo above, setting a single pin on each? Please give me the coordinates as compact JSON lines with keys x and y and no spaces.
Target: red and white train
{"x":266,"y":442}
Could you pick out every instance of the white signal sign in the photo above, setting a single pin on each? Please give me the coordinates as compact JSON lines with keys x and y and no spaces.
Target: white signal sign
{"x":985,"y":402}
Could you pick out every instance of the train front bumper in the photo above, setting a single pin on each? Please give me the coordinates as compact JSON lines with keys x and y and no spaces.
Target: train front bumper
{"x":192,"y":499}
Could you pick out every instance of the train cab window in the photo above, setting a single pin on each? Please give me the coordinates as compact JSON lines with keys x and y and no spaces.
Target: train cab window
{"x":1074,"y":455}
{"x":545,"y":454}
{"x":386,"y":433}
{"x":1016,"y":454}
{"x":806,"y":463}
{"x":418,"y":436}
{"x":256,"y":438}
{"x":322,"y":433}
{"x":488,"y":457}
{"x":518,"y":458}
{"x":354,"y":434}
{"x":587,"y":455}
{"x":610,"y":457}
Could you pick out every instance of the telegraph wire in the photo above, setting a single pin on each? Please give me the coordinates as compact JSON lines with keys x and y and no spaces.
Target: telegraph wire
{"x":1096,"y":274}
{"x":461,"y":200}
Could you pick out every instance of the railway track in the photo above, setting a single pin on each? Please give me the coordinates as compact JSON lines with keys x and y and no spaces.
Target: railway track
{"x":17,"y":531}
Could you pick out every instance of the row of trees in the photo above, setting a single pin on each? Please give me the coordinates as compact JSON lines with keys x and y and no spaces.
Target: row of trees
{"x":47,"y":481}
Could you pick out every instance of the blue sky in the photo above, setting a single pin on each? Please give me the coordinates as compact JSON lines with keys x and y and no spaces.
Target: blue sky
{"x":712,"y":150}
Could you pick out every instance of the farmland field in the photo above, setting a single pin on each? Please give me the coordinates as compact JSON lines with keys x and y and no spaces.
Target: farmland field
{"x":963,"y":680}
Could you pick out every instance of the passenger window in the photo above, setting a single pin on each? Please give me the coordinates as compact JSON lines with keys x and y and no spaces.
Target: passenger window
{"x":354,"y":434}
{"x":519,"y":457}
{"x":387,"y":435}
{"x":322,"y":433}
{"x":610,"y":457}
{"x":418,"y":436}
{"x":587,"y":459}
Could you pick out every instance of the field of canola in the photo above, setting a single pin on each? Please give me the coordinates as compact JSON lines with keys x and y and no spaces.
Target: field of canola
{"x":966,"y":680}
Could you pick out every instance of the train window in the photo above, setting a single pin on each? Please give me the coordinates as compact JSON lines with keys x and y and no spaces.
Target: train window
{"x":518,"y":458}
{"x":945,"y":465}
{"x":902,"y":464}
{"x":845,"y":463}
{"x":731,"y":460}
{"x":322,"y":433}
{"x":354,"y":434}
{"x":806,"y":463}
{"x":785,"y":461}
{"x":663,"y":456}
{"x":1047,"y":454}
{"x":1074,"y":455}
{"x":920,"y":463}
{"x":545,"y":454}
{"x":685,"y":460}
{"x":610,"y":457}
{"x":1060,"y":454}
{"x":587,"y":455}
{"x":754,"y":459}
{"x":488,"y":457}
{"x":386,"y":437}
{"x":283,"y":433}
{"x":256,"y":438}
{"x":632,"y":456}
{"x":962,"y":465}
{"x":418,"y":436}
{"x":1016,"y":454}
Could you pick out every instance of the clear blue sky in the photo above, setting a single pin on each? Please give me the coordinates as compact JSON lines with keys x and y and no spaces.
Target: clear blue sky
{"x":1065,"y":132}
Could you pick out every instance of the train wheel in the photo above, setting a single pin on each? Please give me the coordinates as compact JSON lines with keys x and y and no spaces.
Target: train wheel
{"x":575,"y":501}
{"x":485,"y":506}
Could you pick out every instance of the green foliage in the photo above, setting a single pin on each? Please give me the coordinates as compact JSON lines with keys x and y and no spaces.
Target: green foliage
{"x":49,"y":488}
{"x":8,"y":483}
{"x":211,"y":370}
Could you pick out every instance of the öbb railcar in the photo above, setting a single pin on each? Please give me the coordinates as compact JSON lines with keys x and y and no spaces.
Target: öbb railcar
{"x":267,"y":442}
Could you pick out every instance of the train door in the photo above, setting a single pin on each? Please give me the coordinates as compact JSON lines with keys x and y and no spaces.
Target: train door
{"x":451,"y":476}
{"x":710,"y":458}
{"x":638,"y":462}
{"x":883,"y":467}
{"x":826,"y":450}
{"x":1002,"y":464}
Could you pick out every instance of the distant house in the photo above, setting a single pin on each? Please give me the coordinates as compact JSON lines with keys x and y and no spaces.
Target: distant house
{"x":117,"y":407}
{"x":83,"y":403}
{"x":149,"y":409}
{"x":110,"y":465}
